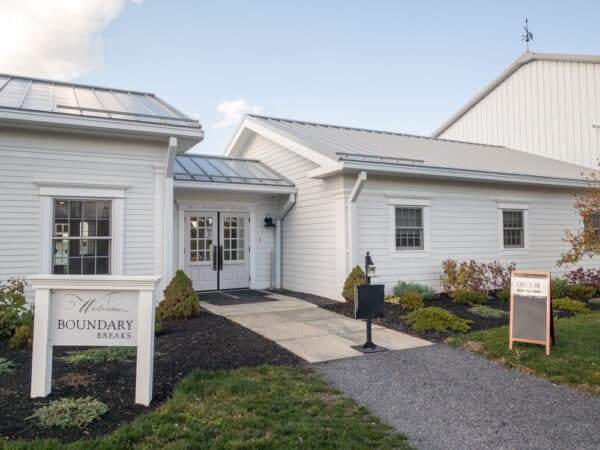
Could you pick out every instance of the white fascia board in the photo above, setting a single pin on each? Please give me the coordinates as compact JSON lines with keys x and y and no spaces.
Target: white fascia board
{"x":326,"y":171}
{"x":92,"y":282}
{"x":235,"y":187}
{"x":463,"y":174}
{"x":99,"y":124}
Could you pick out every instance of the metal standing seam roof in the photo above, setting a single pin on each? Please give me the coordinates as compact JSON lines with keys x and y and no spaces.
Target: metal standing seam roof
{"x":341,"y":143}
{"x":38,"y":95}
{"x":217,"y":169}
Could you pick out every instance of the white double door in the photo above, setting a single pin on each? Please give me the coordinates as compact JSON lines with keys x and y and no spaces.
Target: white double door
{"x":217,"y":247}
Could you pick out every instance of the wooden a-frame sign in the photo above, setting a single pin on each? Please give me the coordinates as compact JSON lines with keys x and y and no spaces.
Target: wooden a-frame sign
{"x":531,"y":318}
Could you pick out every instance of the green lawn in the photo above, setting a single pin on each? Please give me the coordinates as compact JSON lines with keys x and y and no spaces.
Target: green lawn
{"x":574,"y":360}
{"x":264,"y":407}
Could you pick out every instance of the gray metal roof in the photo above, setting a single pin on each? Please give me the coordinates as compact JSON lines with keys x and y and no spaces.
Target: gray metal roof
{"x":382,"y":147}
{"x":47,"y":96}
{"x":217,"y":169}
{"x":525,"y":58}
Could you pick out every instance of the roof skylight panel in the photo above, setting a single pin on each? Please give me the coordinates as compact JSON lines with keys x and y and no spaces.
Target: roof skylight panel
{"x":13,"y":93}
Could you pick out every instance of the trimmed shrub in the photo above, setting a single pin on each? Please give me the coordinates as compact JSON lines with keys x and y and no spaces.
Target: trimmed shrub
{"x":594,"y":301}
{"x":22,"y":339}
{"x":355,"y":278}
{"x":582,"y":291}
{"x":503,"y":294}
{"x":586,"y":277}
{"x":100,"y":355}
{"x":469,"y":297}
{"x":433,"y":318}
{"x":426,"y":292}
{"x":181,"y":301}
{"x":69,"y":412}
{"x":568,"y":304}
{"x":474,"y":276}
{"x":158,"y":325}
{"x":6,"y":366}
{"x":487,"y":312}
{"x":411,"y":300}
{"x":559,"y":288}
{"x":13,"y":307}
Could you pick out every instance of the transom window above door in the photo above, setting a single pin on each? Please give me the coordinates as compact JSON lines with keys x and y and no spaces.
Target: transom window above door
{"x":201,"y":238}
{"x":81,"y":237}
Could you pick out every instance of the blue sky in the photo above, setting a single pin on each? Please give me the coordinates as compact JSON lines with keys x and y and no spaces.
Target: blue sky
{"x":402,"y":66}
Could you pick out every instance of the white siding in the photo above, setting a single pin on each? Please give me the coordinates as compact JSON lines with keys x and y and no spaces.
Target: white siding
{"x":464,"y":225}
{"x":309,"y":230}
{"x":545,"y":107}
{"x":26,"y":157}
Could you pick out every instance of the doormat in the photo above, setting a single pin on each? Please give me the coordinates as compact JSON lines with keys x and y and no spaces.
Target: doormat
{"x":230,"y":298}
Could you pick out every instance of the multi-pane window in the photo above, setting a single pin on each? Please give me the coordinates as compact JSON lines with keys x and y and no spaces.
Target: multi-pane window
{"x":233,"y":238}
{"x":81,"y":237}
{"x":409,"y":228}
{"x":594,"y":223}
{"x":201,"y":238}
{"x":513,"y":229}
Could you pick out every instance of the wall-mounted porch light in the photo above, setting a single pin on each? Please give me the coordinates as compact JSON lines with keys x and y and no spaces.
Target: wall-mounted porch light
{"x":269,"y":220}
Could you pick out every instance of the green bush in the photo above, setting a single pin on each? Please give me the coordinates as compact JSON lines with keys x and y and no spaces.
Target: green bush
{"x":13,"y":307}
{"x":6,"y":366}
{"x":568,"y":304}
{"x":22,"y":339}
{"x":100,"y":355}
{"x":468,"y":297}
{"x":181,"y":301}
{"x":594,"y":301}
{"x":410,"y":300}
{"x":503,"y":294}
{"x":355,"y":278}
{"x":433,"y":318}
{"x":158,"y":319}
{"x":559,"y":288}
{"x":582,"y":291}
{"x":426,"y":292}
{"x":69,"y":412}
{"x":486,"y":311}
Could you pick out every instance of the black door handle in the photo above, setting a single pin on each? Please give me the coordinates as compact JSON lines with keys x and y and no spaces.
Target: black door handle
{"x":214,"y":252}
{"x":220,"y":257}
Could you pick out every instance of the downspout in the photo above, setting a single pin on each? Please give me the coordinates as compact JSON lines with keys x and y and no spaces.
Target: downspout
{"x":285,"y":209}
{"x":353,"y":240}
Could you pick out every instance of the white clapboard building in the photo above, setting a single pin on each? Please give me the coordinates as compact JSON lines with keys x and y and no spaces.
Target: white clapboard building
{"x":97,"y":181}
{"x":545,"y":104}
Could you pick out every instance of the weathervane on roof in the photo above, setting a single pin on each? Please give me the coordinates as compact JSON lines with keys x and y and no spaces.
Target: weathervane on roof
{"x":528,"y":36}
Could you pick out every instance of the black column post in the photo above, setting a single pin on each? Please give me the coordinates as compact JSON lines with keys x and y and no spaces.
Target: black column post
{"x":369,"y":343}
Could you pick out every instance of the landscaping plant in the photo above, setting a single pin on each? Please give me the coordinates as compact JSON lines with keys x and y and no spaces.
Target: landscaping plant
{"x":427,"y":292}
{"x":433,"y":318}
{"x":487,"y":312}
{"x":559,"y":288}
{"x":100,"y":355}
{"x":22,"y":339}
{"x":6,"y":366}
{"x":568,"y":304}
{"x":13,"y":307}
{"x":181,"y":301}
{"x":158,"y":319}
{"x":503,"y":294}
{"x":69,"y":412}
{"x":582,"y":291}
{"x":586,"y":277}
{"x":410,"y":300}
{"x":355,"y":278}
{"x":469,"y":297}
{"x":594,"y":301}
{"x":474,"y":276}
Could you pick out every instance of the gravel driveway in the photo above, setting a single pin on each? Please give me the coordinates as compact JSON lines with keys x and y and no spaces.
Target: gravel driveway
{"x":444,"y":398}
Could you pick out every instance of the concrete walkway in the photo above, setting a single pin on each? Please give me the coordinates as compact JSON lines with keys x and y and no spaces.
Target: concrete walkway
{"x":444,"y":398}
{"x":303,"y":328}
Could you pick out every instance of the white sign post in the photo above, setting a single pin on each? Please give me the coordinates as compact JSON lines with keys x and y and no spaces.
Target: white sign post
{"x":93,"y":311}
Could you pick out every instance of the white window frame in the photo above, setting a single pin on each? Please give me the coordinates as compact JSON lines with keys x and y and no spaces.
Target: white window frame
{"x":51,"y":191}
{"x":425,"y":205}
{"x":509,"y":206}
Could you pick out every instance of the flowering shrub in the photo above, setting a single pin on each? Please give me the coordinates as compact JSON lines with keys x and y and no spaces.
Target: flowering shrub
{"x":589,"y":277}
{"x":474,"y":276}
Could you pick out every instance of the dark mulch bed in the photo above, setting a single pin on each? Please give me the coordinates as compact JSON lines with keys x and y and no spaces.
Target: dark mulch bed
{"x":393,"y":314}
{"x":206,"y":342}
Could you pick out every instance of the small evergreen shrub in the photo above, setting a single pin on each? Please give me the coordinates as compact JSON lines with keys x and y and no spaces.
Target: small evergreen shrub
{"x":181,"y":301}
{"x":158,"y":319}
{"x":469,"y":297}
{"x":411,"y":300}
{"x":503,"y":294}
{"x":568,"y":304}
{"x":6,"y":366}
{"x":559,"y":288}
{"x":69,"y":412}
{"x":427,"y":292}
{"x":594,"y":301}
{"x":433,"y":318}
{"x":487,"y":312}
{"x":355,"y":278}
{"x":13,"y":307}
{"x":582,"y":291}
{"x":22,"y":339}
{"x":100,"y":355}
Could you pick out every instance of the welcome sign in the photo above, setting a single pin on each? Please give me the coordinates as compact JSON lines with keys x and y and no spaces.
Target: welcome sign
{"x":94,"y":318}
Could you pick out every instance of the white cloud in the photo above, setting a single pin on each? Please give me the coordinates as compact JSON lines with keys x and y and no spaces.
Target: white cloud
{"x":233,"y":110}
{"x":60,"y":39}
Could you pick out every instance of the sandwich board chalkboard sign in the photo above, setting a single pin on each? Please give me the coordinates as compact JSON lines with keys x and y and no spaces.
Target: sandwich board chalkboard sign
{"x":531,"y":318}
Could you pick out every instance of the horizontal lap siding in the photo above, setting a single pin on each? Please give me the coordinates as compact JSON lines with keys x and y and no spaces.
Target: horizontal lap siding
{"x":309,"y":230}
{"x":26,"y":157}
{"x":463,"y":225}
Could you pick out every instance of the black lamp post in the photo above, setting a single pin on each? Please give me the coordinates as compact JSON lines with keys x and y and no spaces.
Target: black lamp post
{"x":369,"y":272}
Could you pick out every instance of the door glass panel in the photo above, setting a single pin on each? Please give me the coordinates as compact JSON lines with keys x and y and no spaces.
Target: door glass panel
{"x":233,"y":238}
{"x":200,"y":238}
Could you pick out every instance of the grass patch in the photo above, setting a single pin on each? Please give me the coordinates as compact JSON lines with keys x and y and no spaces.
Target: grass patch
{"x":433,"y":318}
{"x":69,"y":412}
{"x":575,"y":359}
{"x":568,"y":304}
{"x":486,"y":311}
{"x":264,"y":407}
{"x":6,"y":366}
{"x":100,"y":355}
